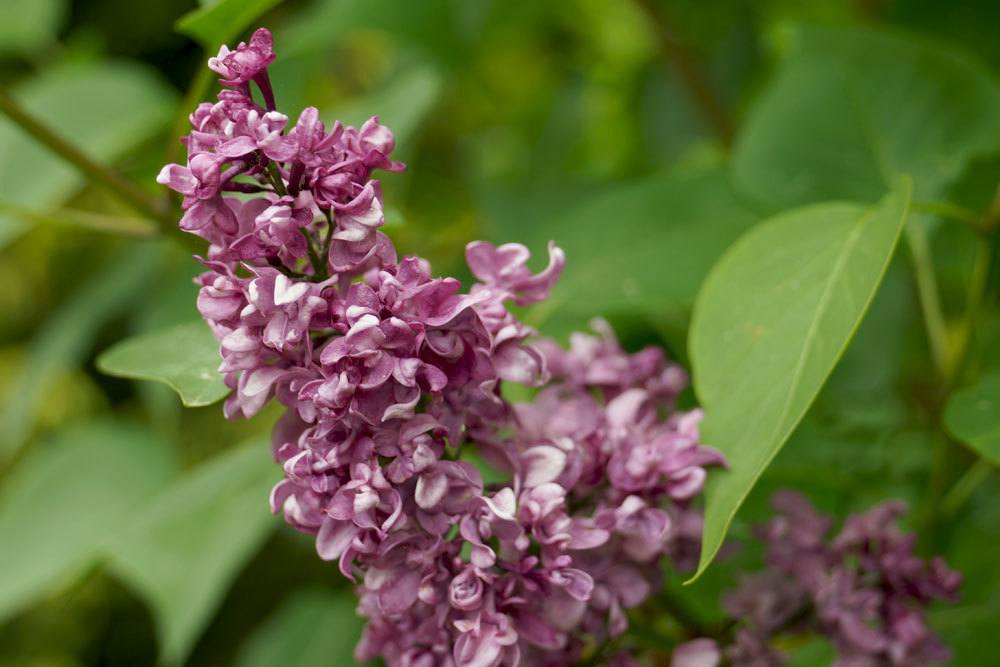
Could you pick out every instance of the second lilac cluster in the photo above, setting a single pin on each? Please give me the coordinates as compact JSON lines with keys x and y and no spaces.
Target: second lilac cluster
{"x":392,"y":380}
{"x":864,"y":589}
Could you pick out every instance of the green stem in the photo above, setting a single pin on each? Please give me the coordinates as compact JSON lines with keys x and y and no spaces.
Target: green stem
{"x":114,"y":224}
{"x":977,"y":291}
{"x":112,"y":180}
{"x":992,"y":216}
{"x":275,"y":175}
{"x":927,"y":291}
{"x":939,"y":501}
{"x":329,"y":231}
{"x":948,"y":211}
{"x":319,"y":267}
{"x":291,"y":273}
{"x":965,"y":486}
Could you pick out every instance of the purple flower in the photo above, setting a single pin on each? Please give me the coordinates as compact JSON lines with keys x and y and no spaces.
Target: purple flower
{"x":696,"y":653}
{"x":391,"y":377}
{"x":485,"y":640}
{"x":864,"y":589}
{"x":505,"y":269}
{"x":248,"y":62}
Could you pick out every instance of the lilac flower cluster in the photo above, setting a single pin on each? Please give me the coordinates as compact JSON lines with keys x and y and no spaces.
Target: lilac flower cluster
{"x":392,"y":382}
{"x":864,"y":589}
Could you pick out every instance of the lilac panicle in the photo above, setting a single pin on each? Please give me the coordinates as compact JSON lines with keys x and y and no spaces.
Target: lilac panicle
{"x":864,"y":589}
{"x":390,"y":375}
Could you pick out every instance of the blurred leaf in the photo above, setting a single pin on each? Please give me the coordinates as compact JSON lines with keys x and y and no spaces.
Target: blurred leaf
{"x":216,"y":23}
{"x":184,"y":357}
{"x":402,"y":104}
{"x":69,"y":497}
{"x":105,"y":108}
{"x":863,"y":390}
{"x":65,"y":338}
{"x":973,"y":416}
{"x":189,"y":544}
{"x":808,"y":652}
{"x":430,"y":25}
{"x":851,"y":110}
{"x":645,"y":245}
{"x":114,"y":224}
{"x":313,"y":628}
{"x":28,"y":27}
{"x":969,"y":628}
{"x":770,"y":323}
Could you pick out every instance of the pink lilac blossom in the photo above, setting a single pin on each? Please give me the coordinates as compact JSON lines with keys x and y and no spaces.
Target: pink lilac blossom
{"x":864,"y":589}
{"x":391,"y":376}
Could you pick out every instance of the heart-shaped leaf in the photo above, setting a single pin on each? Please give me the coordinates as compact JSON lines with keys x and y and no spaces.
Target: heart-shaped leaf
{"x":973,"y":416}
{"x":770,"y":323}
{"x":851,"y":110}
{"x":184,"y":357}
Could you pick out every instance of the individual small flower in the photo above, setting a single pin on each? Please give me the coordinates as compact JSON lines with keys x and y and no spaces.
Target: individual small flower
{"x":247,"y":62}
{"x":199,"y":180}
{"x":696,"y":653}
{"x":505,"y":269}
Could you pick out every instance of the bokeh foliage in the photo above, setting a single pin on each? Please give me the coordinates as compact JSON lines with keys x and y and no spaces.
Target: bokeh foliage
{"x":644,"y":136}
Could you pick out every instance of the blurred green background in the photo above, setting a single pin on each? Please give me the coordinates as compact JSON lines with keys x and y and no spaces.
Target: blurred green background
{"x":133,"y":530}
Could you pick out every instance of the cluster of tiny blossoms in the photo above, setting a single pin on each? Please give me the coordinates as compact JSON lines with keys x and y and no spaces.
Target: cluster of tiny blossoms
{"x":864,"y":589}
{"x":392,"y":379}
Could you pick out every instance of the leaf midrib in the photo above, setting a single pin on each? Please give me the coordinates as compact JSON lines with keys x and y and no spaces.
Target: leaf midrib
{"x":797,"y":375}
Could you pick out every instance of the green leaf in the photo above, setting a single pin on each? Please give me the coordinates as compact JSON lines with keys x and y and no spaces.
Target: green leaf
{"x":104,"y":108}
{"x":101,"y":222}
{"x":216,"y":23}
{"x":67,"y":499}
{"x":184,"y":357}
{"x":852,"y":109}
{"x":433,"y":27}
{"x":770,"y":323}
{"x":66,"y":337}
{"x":28,"y":27}
{"x":313,"y":628}
{"x":973,"y":416}
{"x":646,"y":245}
{"x":188,"y":545}
{"x":402,"y":103}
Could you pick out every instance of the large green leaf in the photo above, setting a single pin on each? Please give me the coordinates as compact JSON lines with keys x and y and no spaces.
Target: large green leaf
{"x":105,"y":108}
{"x":769,"y":325}
{"x":215,"y":23}
{"x":646,"y":245}
{"x":852,"y":109}
{"x":182,"y":554}
{"x":184,"y":357}
{"x":64,"y":340}
{"x":69,"y":496}
{"x":973,"y":416}
{"x":313,"y":628}
{"x":29,"y":27}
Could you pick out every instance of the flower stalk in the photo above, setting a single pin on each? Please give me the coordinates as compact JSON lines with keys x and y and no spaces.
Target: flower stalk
{"x":99,"y":174}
